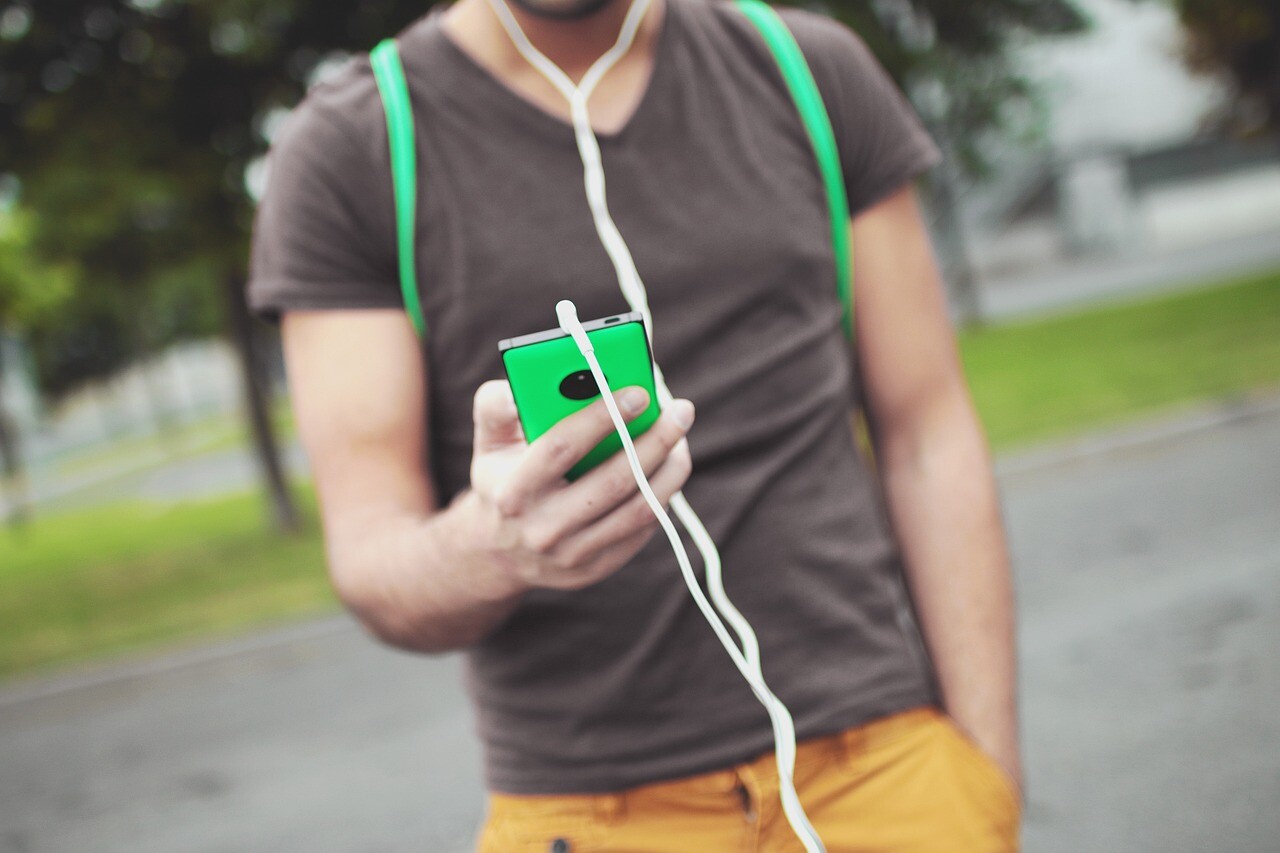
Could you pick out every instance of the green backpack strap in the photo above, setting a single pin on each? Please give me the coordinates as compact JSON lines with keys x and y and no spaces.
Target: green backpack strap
{"x":389,"y":74}
{"x":804,"y":91}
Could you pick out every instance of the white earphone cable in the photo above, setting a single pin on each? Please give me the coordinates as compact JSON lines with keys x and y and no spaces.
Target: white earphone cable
{"x":783,"y":728}
{"x":747,"y":658}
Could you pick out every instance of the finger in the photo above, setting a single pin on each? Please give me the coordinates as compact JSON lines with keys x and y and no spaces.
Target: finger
{"x":603,"y":563}
{"x":553,"y":453}
{"x":632,"y":516}
{"x":605,"y":487}
{"x":497,"y":423}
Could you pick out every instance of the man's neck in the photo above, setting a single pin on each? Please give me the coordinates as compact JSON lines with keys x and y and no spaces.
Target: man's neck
{"x":572,"y":44}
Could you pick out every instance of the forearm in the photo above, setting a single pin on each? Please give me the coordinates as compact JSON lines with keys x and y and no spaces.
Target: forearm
{"x":420,"y":583}
{"x":944,"y":507}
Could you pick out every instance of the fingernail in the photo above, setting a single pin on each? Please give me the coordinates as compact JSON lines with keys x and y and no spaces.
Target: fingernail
{"x":682,"y":413}
{"x":633,"y":400}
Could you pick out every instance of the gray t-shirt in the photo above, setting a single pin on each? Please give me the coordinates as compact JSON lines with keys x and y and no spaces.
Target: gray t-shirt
{"x":714,"y":186}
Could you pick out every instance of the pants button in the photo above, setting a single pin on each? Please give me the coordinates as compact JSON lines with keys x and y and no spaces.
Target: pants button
{"x":560,"y":846}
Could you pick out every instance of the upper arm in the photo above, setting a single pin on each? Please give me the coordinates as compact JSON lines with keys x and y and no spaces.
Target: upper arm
{"x":358,"y":387}
{"x":323,"y":263}
{"x":907,"y":350}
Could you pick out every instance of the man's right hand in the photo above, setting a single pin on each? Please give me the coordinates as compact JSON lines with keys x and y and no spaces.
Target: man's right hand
{"x":539,"y":529}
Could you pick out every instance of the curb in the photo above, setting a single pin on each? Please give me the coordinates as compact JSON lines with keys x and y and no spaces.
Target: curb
{"x":1144,"y":433}
{"x":89,"y":676}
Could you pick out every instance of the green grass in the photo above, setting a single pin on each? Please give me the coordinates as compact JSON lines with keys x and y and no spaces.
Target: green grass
{"x":1039,"y":379}
{"x":98,"y":582}
{"x":95,"y":583}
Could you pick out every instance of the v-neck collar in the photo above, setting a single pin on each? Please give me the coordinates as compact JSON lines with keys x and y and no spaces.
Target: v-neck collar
{"x":502,"y":93}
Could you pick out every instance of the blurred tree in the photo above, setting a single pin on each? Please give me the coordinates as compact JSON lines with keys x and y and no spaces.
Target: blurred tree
{"x":1241,"y":37}
{"x":133,"y":125}
{"x":957,"y":62}
{"x":31,"y":292}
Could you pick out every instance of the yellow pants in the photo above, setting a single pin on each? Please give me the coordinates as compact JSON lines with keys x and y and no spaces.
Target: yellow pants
{"x":908,"y":783}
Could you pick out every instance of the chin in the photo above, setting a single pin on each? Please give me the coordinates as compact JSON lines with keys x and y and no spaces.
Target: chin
{"x":562,"y":9}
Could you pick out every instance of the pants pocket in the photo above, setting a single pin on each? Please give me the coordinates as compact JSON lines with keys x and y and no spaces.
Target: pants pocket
{"x":538,"y":825}
{"x":983,"y":769}
{"x":506,"y":838}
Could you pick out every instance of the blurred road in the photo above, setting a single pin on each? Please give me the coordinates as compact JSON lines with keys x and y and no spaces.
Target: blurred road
{"x":1149,"y":578}
{"x":1149,"y":582}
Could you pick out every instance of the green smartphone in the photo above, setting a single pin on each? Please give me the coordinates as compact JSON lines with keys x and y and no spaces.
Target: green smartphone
{"x":550,"y":379}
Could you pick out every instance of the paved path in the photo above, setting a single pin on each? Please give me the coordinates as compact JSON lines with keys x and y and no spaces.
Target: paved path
{"x":162,"y":478}
{"x":1149,"y":577}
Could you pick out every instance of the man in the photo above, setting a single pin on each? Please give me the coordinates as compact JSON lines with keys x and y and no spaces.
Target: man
{"x":611,"y":718}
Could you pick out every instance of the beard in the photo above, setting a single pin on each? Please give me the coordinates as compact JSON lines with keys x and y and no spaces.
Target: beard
{"x":562,"y":10}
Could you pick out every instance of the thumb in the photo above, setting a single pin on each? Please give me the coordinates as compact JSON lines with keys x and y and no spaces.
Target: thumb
{"x":497,"y":423}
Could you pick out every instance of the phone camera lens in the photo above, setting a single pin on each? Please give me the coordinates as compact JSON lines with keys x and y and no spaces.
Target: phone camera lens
{"x":580,"y":386}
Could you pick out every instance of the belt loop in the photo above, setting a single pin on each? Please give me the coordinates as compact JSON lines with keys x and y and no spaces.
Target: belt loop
{"x":853,"y":742}
{"x":610,"y":807}
{"x":749,"y":790}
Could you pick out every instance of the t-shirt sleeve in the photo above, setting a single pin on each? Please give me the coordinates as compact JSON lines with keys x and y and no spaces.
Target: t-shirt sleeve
{"x":883,"y":143}
{"x":324,"y":232}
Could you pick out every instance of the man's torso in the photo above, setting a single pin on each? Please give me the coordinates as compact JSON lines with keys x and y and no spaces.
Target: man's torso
{"x":712,"y":182}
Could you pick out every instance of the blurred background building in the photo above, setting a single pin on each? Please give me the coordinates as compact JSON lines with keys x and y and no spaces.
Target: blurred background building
{"x":1135,"y":159}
